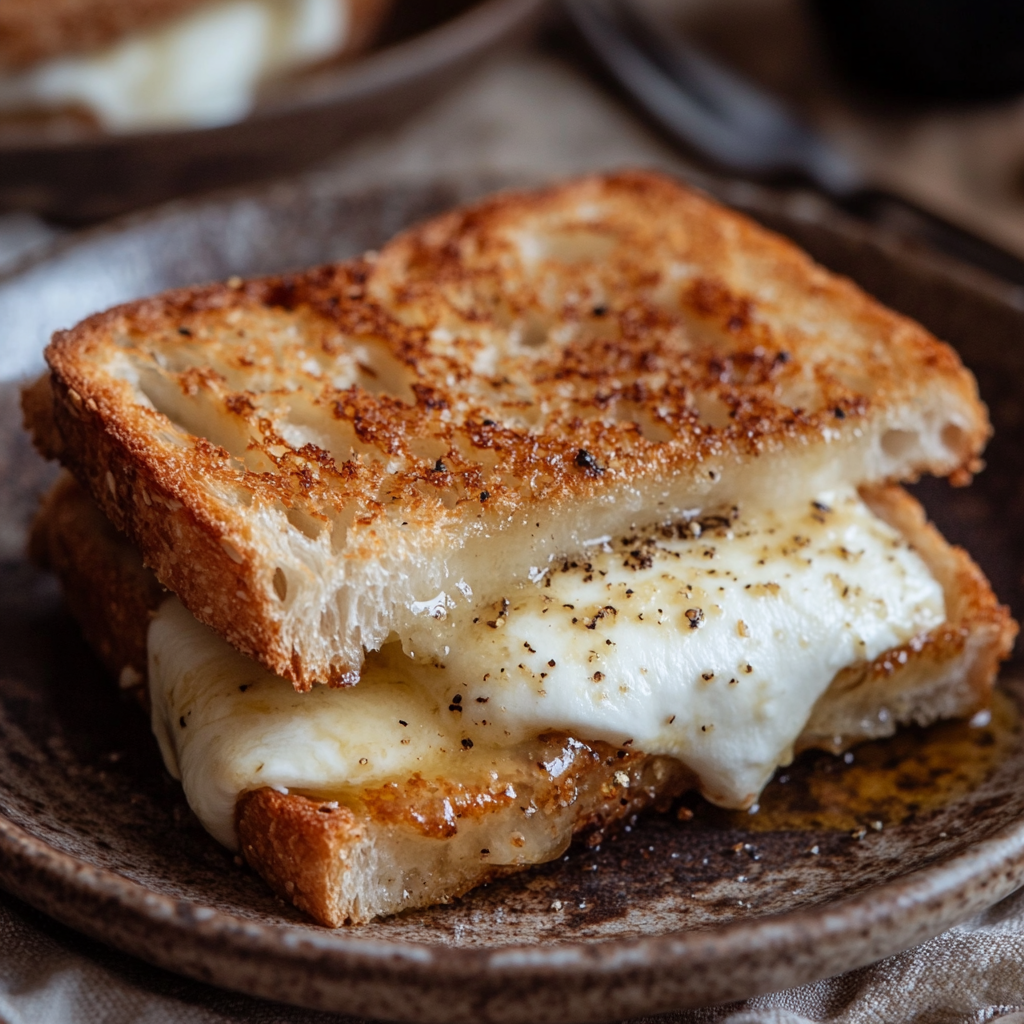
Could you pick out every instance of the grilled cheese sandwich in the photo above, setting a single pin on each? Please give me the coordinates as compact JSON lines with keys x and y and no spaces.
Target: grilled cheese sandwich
{"x":579,"y":500}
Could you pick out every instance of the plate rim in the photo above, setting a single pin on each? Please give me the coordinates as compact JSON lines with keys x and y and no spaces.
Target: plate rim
{"x":979,"y":876}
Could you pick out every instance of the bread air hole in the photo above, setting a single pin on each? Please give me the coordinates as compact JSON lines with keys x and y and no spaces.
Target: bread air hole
{"x":280,"y":583}
{"x":534,"y":334}
{"x":898,"y":444}
{"x":954,"y":437}
{"x":305,"y":523}
{"x":651,"y":428}
{"x":711,"y":409}
{"x":573,"y":243}
{"x":380,"y":373}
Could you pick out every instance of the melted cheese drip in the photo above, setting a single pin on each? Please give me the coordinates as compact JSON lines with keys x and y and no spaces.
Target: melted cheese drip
{"x":709,"y":644}
{"x":202,"y":69}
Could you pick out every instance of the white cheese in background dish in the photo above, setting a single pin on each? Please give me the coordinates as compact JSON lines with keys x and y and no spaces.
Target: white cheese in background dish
{"x":201,"y":69}
{"x":709,"y":642}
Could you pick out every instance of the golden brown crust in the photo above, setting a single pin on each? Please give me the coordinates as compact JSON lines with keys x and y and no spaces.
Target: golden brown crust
{"x":619,"y":344}
{"x":37,"y":417}
{"x":36,"y":30}
{"x":309,"y":849}
{"x":106,"y":587}
{"x":298,"y":846}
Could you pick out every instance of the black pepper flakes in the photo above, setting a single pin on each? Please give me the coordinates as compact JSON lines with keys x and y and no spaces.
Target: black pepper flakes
{"x":587,"y":461}
{"x":484,"y":495}
{"x":440,"y":467}
{"x":467,"y":743}
{"x":695,"y":617}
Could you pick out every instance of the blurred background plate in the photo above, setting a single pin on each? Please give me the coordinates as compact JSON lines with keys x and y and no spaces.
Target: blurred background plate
{"x":424,"y":48}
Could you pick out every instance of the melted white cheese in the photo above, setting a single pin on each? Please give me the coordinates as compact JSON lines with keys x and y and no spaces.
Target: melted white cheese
{"x":201,"y":69}
{"x":712,"y":648}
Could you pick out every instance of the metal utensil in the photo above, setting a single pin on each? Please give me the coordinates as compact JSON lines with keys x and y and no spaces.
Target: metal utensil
{"x":736,"y":124}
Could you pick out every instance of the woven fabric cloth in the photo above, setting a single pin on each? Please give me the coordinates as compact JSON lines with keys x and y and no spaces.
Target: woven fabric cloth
{"x":51,"y":975}
{"x":527,"y":112}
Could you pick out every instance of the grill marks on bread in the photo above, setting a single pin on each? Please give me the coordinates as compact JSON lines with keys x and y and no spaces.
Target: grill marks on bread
{"x":618,"y":338}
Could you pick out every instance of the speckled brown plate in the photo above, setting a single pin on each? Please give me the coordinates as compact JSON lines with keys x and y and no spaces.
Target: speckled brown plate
{"x":426,"y":46}
{"x":670,"y":913}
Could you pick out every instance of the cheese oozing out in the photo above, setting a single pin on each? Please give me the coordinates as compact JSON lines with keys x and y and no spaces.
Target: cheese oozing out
{"x":708,"y":641}
{"x":200,"y":70}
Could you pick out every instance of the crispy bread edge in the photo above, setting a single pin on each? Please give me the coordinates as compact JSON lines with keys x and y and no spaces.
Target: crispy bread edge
{"x":107,"y":589}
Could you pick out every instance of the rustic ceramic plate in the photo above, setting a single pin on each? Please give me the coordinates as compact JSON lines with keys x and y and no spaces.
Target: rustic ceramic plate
{"x":846,"y":863}
{"x":426,"y":46}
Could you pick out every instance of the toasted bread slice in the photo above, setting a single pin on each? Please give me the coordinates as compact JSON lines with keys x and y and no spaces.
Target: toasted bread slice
{"x":108,"y":590}
{"x":316,"y":462}
{"x":417,"y":841}
{"x":32,"y":31}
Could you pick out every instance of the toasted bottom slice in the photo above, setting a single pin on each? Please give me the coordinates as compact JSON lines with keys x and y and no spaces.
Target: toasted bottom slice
{"x":417,"y":841}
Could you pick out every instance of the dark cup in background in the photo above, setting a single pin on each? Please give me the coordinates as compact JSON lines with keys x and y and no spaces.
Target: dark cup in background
{"x":928,"y":49}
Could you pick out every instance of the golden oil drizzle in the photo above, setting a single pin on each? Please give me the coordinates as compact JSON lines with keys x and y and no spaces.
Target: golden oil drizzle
{"x":886,"y":782}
